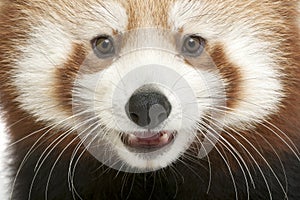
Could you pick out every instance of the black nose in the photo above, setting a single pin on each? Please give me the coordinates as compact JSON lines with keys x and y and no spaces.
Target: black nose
{"x":148,"y":107}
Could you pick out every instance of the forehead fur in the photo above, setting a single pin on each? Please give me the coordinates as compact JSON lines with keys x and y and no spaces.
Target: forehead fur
{"x":209,"y":16}
{"x":165,"y":14}
{"x":213,"y":18}
{"x":148,"y":13}
{"x":115,"y":13}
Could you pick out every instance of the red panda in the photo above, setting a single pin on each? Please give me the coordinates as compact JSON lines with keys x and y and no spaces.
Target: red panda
{"x":113,"y":99}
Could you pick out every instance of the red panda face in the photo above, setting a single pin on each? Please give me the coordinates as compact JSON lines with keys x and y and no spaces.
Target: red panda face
{"x":108,"y":54}
{"x":140,"y":83}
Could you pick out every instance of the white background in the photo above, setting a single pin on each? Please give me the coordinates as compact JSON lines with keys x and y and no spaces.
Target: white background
{"x":3,"y":159}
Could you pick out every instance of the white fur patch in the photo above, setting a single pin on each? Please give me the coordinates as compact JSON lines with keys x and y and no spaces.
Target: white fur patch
{"x":48,"y":48}
{"x":5,"y":180}
{"x":95,"y":20}
{"x":261,"y":90}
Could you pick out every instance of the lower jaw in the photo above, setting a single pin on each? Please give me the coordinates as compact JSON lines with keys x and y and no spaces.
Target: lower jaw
{"x":151,"y":150}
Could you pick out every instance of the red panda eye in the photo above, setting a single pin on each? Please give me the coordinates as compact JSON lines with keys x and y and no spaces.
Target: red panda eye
{"x":103,"y":46}
{"x":193,"y":46}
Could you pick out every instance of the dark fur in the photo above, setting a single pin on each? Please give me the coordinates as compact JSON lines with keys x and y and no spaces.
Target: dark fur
{"x":180,"y":182}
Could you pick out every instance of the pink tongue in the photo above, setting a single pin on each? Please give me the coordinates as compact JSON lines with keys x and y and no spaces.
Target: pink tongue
{"x":157,"y":140}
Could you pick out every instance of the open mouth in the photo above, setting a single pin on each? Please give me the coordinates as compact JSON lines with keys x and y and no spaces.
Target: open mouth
{"x":147,"y":141}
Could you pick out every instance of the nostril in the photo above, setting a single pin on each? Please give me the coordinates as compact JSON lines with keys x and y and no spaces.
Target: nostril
{"x":134,"y":117}
{"x":161,"y":117}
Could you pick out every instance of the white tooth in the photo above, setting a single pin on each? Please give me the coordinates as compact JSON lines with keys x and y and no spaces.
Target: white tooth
{"x":132,"y":137}
{"x":164,"y":136}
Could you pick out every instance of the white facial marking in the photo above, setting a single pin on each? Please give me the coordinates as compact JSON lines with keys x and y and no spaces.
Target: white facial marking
{"x":101,"y":19}
{"x":261,"y":89}
{"x":48,"y":48}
